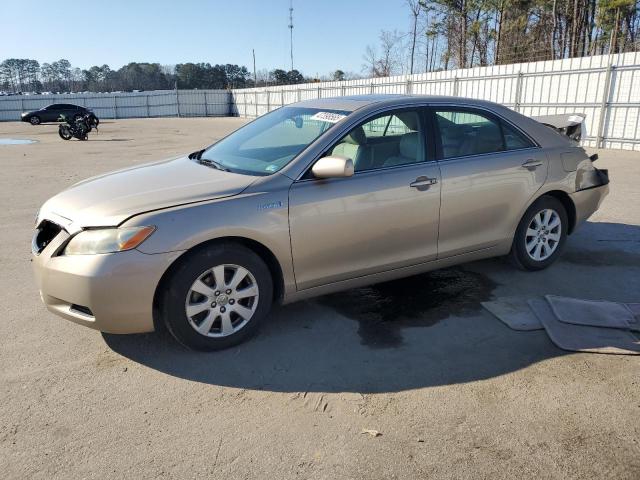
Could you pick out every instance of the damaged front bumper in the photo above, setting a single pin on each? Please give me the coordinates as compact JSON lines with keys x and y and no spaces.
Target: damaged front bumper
{"x":110,"y":292}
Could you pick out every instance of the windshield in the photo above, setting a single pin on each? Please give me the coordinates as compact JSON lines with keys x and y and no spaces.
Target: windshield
{"x":270,"y":142}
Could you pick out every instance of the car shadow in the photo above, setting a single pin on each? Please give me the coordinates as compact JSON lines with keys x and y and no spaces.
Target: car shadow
{"x":423,"y":331}
{"x":306,"y":347}
{"x":110,"y":139}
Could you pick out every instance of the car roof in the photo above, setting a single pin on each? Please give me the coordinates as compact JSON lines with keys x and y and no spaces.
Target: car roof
{"x":355,"y":102}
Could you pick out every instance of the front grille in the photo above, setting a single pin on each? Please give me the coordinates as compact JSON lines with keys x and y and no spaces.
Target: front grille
{"x":45,"y":233}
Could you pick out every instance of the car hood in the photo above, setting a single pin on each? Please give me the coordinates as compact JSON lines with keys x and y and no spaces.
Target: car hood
{"x":108,"y":200}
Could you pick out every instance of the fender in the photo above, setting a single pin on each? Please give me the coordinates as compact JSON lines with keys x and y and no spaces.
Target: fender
{"x":261,"y":217}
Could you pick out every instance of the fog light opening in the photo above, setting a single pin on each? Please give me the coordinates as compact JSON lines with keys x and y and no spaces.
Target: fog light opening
{"x":82,"y":309}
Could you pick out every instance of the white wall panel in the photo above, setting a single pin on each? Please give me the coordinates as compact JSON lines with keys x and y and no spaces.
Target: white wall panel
{"x":537,"y":88}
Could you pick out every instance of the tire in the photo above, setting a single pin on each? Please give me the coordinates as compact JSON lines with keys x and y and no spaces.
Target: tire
{"x":184,"y":309}
{"x":64,"y":132}
{"x":541,"y":235}
{"x":35,"y":120}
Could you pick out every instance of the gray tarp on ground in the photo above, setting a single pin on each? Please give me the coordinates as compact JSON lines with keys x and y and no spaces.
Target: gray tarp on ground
{"x":514,"y":312}
{"x":583,"y":338}
{"x":594,"y":313}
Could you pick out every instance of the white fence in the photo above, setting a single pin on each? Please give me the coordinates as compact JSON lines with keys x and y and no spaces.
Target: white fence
{"x":157,"y":103}
{"x":605,"y":88}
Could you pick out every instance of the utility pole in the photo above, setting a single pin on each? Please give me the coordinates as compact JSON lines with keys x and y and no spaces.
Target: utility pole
{"x":255,"y":75}
{"x":291,"y":31}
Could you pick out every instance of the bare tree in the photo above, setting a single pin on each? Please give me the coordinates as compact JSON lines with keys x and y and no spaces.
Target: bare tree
{"x":415,"y":7}
{"x":385,"y":63}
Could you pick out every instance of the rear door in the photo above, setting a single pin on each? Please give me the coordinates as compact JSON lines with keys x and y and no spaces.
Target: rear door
{"x":490,"y":170}
{"x":58,"y":110}
{"x":383,"y":217}
{"x":68,"y":111}
{"x":50,"y":113}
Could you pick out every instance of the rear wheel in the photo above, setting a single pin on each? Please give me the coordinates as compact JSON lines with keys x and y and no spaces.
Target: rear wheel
{"x":65,"y":132}
{"x":541,"y":234}
{"x":217,"y":297}
{"x":35,"y":120}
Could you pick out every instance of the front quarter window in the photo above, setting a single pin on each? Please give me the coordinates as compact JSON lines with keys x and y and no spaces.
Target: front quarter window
{"x":270,"y":142}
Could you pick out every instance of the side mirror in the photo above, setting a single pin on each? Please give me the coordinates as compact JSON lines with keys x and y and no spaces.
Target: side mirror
{"x":333,"y":167}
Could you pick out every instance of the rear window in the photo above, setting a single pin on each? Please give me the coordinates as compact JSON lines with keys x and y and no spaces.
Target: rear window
{"x":513,"y":139}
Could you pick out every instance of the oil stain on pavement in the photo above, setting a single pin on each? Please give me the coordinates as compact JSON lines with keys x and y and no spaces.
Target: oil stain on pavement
{"x":382,"y":310}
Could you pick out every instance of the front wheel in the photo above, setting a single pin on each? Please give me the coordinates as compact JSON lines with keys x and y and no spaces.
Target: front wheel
{"x":35,"y":120}
{"x":541,"y":234}
{"x":217,"y":297}
{"x":65,"y":132}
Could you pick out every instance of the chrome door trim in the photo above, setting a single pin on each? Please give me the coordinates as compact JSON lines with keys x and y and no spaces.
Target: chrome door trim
{"x":501,"y":152}
{"x":369,"y":172}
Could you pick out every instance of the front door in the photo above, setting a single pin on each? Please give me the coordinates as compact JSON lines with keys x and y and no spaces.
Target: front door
{"x":383,"y":217}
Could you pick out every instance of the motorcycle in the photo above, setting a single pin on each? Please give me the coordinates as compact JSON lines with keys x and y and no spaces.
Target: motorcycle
{"x":78,"y":128}
{"x":93,"y":120}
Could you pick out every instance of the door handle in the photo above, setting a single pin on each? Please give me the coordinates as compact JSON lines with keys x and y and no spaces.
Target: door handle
{"x":531,"y":164}
{"x":422,"y":182}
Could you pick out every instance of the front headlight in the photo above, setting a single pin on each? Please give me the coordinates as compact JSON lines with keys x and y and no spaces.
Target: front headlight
{"x":107,"y":240}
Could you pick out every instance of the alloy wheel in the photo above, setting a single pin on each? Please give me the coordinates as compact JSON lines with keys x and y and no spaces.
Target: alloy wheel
{"x":543,"y":235}
{"x":222,"y":300}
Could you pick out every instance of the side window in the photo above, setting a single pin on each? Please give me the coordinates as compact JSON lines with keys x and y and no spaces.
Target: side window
{"x":386,"y":126}
{"x":513,"y":139}
{"x":385,"y":141}
{"x":465,"y":132}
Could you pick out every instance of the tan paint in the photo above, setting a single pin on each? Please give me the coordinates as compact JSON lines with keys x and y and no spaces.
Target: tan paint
{"x":326,"y":234}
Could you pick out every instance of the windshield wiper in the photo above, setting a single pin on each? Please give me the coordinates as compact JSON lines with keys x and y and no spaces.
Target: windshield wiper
{"x":205,"y":161}
{"x":212,"y":163}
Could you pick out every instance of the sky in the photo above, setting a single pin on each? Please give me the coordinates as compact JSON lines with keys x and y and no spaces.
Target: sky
{"x":328,"y":34}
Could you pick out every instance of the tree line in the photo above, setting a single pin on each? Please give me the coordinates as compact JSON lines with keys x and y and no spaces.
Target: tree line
{"x":27,"y":75}
{"x":445,"y":34}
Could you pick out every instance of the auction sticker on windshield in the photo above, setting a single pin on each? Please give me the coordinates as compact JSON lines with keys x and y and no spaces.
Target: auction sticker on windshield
{"x":328,"y":117}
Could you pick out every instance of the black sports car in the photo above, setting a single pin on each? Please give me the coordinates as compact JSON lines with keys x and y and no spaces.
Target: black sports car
{"x":53,"y":113}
